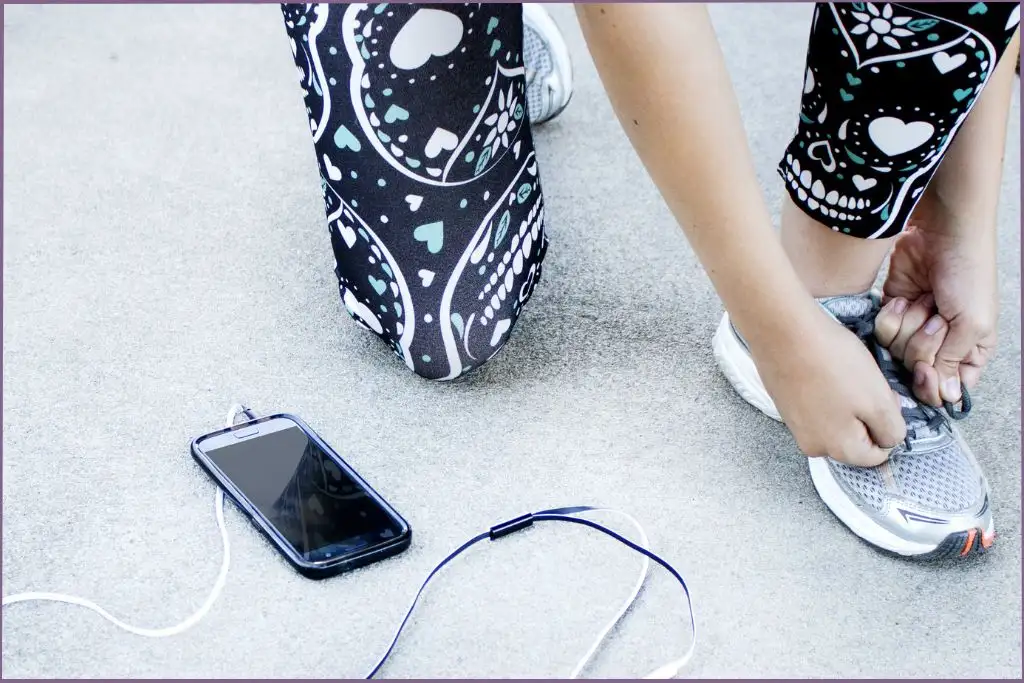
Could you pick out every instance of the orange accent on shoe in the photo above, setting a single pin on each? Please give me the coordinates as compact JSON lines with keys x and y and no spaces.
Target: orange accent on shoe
{"x":970,"y":542}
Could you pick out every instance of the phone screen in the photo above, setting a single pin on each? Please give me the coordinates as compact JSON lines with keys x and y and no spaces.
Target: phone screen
{"x":303,"y":492}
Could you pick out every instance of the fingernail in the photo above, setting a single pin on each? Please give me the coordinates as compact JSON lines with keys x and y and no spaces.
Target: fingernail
{"x":933,"y":325}
{"x":951,"y":389}
{"x":918,"y":376}
{"x":900,"y":306}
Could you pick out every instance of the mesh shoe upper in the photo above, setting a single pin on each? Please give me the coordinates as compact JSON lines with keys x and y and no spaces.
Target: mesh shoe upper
{"x":933,"y":469}
{"x":864,"y":483}
{"x":539,"y":65}
{"x":546,"y":61}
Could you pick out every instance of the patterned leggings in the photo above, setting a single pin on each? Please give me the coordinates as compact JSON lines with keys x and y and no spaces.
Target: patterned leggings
{"x":431,"y":185}
{"x":886,"y":88}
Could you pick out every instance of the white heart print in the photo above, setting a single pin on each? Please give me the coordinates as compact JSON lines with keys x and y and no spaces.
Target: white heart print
{"x":863,"y":183}
{"x":361,"y":311}
{"x":440,"y":140}
{"x":894,"y":137}
{"x":429,"y":33}
{"x":426,"y":276}
{"x":414,"y":201}
{"x":945,"y":62}
{"x":333,"y":172}
{"x":828,"y":161}
{"x":347,"y":233}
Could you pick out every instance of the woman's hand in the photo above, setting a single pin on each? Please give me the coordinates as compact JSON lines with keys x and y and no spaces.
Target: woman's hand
{"x":950,"y":256}
{"x":941,"y":310}
{"x":672,"y":95}
{"x":831,"y":394}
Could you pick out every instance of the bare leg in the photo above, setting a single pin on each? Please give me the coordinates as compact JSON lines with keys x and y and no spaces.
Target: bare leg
{"x":830,"y":263}
{"x":873,"y":129}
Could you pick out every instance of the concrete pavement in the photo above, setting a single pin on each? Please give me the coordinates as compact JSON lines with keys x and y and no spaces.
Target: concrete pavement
{"x":165,"y":254}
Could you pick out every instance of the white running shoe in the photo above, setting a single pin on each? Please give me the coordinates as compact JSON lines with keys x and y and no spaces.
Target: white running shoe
{"x":547,"y":64}
{"x":930,"y":500}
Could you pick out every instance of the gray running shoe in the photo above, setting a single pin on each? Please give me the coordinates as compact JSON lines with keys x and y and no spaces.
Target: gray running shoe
{"x":547,"y":63}
{"x":930,"y":500}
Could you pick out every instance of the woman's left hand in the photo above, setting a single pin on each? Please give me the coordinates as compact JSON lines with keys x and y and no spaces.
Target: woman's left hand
{"x":941,"y":308}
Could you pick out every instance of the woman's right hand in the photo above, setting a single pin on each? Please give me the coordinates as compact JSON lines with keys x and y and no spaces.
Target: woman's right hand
{"x":831,"y":393}
{"x":672,"y":94}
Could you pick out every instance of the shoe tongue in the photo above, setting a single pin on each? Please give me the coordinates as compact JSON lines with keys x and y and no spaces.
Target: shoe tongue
{"x":849,"y":306}
{"x":917,"y":421}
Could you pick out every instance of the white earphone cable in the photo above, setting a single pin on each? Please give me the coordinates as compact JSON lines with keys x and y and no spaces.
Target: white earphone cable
{"x":218,"y":584}
{"x":666,"y":671}
{"x":644,"y":569}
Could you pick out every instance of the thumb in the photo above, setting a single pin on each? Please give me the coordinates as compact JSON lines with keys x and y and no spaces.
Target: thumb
{"x":955,"y":348}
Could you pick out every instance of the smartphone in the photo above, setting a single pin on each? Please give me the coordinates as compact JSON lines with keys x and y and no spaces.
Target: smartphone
{"x":315,"y":509}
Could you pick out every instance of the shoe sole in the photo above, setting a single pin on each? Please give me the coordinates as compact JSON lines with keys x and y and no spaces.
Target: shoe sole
{"x":739,"y":369}
{"x":555,"y":42}
{"x":956,"y":544}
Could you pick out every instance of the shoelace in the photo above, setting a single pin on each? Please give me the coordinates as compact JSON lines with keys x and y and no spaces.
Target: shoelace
{"x":920,"y":415}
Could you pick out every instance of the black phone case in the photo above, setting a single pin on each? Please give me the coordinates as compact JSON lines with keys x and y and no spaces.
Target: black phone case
{"x":311,"y":570}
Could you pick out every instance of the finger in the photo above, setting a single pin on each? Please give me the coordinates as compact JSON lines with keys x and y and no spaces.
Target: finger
{"x":889,"y":319}
{"x":926,"y":342}
{"x":914,"y":319}
{"x":858,"y":449}
{"x":926,"y":384}
{"x":955,"y":347}
{"x":974,"y":364}
{"x":884,"y":422}
{"x":969,"y":375}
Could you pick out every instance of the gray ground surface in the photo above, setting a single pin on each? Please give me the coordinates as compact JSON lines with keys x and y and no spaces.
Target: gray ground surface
{"x":165,"y":253}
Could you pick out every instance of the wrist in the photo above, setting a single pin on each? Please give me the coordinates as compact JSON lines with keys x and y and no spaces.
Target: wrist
{"x":777,"y":322}
{"x":968,"y":235}
{"x":950,"y":213}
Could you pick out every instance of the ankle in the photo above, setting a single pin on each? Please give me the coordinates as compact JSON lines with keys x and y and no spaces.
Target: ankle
{"x":829,"y":263}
